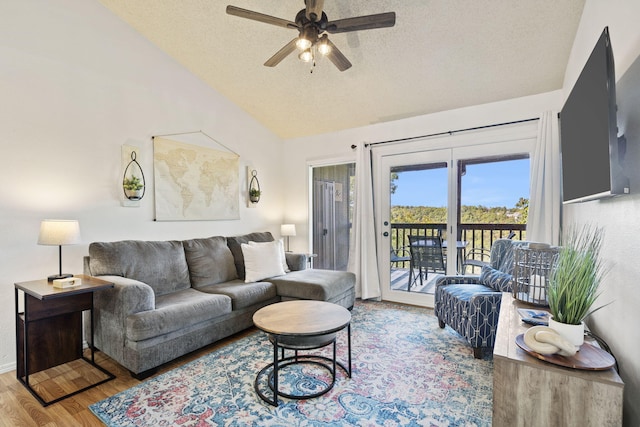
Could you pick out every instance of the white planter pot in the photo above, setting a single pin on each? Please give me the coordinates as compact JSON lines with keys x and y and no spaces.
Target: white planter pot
{"x":573,"y":333}
{"x":133,"y":194}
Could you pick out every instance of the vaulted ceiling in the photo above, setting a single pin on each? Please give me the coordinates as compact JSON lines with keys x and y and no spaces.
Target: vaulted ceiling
{"x":440,"y":55}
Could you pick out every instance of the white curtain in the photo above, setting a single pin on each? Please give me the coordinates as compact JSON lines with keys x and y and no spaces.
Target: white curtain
{"x":545,"y":199}
{"x":362,"y":250}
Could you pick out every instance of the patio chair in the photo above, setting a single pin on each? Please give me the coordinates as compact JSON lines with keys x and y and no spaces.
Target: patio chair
{"x":471,"y":304}
{"x":426,"y":254}
{"x":401,"y":256}
{"x":396,"y":258}
{"x":476,"y":258}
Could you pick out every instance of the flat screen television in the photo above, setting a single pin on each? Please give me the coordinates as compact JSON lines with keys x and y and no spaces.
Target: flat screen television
{"x":591,"y":167}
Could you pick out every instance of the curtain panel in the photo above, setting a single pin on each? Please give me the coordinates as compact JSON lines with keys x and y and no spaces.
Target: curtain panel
{"x":362,"y":250}
{"x":545,"y":199}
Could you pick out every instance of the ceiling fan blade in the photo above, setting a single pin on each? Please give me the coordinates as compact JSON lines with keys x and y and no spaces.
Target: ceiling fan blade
{"x":314,"y":9}
{"x":260,"y":17}
{"x":338,"y":59}
{"x":282,"y":53}
{"x":368,"y":22}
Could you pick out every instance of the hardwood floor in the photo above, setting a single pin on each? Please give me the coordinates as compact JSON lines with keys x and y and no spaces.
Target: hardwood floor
{"x":19,"y":408}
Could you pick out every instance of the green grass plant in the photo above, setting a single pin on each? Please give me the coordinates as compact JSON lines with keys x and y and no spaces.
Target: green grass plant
{"x":575,"y":280}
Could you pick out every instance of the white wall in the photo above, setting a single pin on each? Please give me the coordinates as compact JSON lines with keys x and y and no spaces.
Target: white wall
{"x":76,"y":83}
{"x":619,"y":217}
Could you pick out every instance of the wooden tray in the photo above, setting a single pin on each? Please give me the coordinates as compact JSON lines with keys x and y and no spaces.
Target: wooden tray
{"x":589,"y":357}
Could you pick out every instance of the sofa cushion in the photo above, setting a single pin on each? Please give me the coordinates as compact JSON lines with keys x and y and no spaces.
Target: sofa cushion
{"x":234,"y":245}
{"x":321,"y":285}
{"x":210,"y":261}
{"x":243,"y":294}
{"x":176,"y":311}
{"x":161,"y":265}
{"x":495,"y":279}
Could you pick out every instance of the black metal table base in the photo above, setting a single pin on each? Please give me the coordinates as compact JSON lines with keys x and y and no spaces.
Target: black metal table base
{"x":43,"y":402}
{"x":282,"y":361}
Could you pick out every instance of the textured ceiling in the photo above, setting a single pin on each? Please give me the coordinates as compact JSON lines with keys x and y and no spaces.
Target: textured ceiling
{"x":440,"y":55}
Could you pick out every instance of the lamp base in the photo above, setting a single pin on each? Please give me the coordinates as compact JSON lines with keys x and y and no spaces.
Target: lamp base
{"x":58,"y":276}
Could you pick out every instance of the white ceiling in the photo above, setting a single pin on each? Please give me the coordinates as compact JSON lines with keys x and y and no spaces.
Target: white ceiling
{"x":440,"y":55}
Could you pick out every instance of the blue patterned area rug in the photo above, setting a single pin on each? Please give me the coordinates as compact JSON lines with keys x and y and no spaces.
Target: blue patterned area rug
{"x":406,"y":372}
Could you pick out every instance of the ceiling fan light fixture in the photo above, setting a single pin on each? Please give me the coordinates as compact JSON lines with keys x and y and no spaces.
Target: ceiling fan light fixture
{"x":303,"y":44}
{"x":306,"y":55}
{"x":323,"y":45}
{"x":308,"y":36}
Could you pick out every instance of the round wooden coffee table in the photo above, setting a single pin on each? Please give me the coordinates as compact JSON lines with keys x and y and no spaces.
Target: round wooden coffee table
{"x":301,"y":325}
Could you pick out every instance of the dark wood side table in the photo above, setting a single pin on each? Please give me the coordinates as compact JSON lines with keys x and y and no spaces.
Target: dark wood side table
{"x":49,"y":330}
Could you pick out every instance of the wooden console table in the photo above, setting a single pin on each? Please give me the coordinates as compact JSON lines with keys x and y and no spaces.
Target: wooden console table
{"x":531,"y":392}
{"x":49,"y":331}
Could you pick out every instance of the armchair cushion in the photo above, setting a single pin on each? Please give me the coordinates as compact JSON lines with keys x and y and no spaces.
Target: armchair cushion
{"x":495,"y":279}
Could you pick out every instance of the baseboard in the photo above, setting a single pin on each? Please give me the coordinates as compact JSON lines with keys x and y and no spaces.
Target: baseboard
{"x":8,"y":367}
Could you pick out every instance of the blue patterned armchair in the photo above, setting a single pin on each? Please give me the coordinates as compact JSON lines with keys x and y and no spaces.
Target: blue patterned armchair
{"x":471,"y":304}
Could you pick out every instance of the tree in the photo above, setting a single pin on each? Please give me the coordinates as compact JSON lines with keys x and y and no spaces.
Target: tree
{"x":393,"y":186}
{"x":523,"y":206}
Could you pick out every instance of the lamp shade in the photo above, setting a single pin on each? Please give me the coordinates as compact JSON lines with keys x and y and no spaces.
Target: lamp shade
{"x":56,"y":232}
{"x":288,"y":230}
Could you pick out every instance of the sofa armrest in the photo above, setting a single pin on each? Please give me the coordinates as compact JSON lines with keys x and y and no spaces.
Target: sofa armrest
{"x":127,"y":297}
{"x":111,"y":307}
{"x":296,"y":261}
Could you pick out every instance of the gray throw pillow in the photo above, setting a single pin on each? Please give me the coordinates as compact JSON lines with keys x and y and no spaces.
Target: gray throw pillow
{"x":210,"y":261}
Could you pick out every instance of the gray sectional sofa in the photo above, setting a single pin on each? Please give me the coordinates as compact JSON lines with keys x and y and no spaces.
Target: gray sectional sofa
{"x":174,"y":297}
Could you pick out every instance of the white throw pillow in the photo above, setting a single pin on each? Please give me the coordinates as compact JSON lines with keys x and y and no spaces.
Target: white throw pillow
{"x":261,"y":261}
{"x":280,"y":243}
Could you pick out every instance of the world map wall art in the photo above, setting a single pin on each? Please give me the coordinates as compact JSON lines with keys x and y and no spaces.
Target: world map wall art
{"x":194,"y":183}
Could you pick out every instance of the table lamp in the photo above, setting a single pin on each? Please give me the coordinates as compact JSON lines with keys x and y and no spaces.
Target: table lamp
{"x":287,"y":230}
{"x":58,"y":232}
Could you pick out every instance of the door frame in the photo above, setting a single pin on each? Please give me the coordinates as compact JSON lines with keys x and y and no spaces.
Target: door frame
{"x":386,"y":164}
{"x":503,"y":140}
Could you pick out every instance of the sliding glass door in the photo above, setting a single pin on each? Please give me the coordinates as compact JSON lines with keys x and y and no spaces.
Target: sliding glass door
{"x":437,"y":206}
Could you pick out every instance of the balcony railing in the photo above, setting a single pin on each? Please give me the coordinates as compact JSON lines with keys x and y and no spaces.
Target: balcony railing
{"x":479,"y":236}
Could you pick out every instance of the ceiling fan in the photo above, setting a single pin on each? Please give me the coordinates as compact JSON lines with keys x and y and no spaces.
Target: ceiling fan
{"x":312,"y":25}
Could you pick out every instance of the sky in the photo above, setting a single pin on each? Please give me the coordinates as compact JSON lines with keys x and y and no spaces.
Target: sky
{"x":489,"y":184}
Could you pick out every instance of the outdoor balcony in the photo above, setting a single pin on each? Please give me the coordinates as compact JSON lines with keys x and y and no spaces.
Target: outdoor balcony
{"x":477,"y":236}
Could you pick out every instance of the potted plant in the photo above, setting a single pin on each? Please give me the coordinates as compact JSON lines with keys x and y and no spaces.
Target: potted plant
{"x":133,"y":187}
{"x":574,"y":282}
{"x":254,"y":195}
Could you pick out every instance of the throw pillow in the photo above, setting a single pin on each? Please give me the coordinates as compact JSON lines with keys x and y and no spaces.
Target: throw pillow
{"x":280,"y":243}
{"x":495,"y":279}
{"x":261,"y":261}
